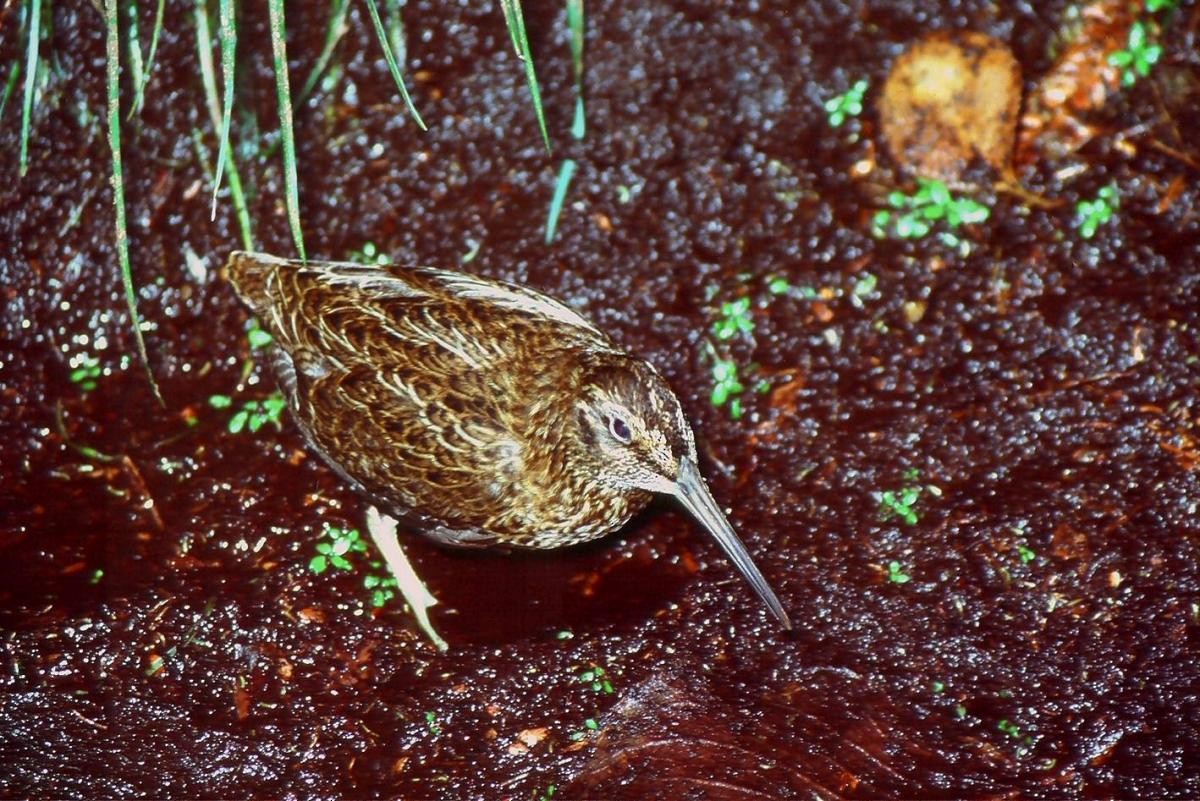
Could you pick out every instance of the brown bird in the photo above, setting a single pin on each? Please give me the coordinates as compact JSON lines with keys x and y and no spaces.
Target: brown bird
{"x":476,"y":411}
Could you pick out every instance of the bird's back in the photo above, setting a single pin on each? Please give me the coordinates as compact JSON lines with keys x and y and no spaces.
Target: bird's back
{"x":436,"y":392}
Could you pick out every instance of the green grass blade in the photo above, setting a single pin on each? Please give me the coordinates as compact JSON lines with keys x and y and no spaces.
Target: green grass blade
{"x":207,"y":70}
{"x":31,"y":60}
{"x":209,"y":80}
{"x":283,"y":92}
{"x":381,"y":34}
{"x":228,"y":34}
{"x":239,"y":205}
{"x":113,"y":71}
{"x":333,"y":34}
{"x":140,"y":85}
{"x":515,"y":20}
{"x":235,"y":187}
{"x":565,"y":173}
{"x":14,"y":75}
{"x":137,"y":74}
{"x":575,"y":22}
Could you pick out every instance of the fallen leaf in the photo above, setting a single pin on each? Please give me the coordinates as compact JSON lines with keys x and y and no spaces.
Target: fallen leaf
{"x":950,"y":99}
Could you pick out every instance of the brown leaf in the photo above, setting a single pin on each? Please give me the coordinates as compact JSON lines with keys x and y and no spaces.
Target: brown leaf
{"x":951,"y":99}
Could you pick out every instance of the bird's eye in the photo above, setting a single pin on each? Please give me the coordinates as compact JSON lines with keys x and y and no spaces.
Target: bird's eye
{"x":620,"y":430}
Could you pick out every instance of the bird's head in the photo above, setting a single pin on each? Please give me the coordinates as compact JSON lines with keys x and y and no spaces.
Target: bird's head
{"x":632,"y":425}
{"x":636,"y":438}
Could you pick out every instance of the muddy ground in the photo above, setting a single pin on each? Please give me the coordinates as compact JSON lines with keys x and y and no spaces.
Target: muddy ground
{"x":1026,"y":625}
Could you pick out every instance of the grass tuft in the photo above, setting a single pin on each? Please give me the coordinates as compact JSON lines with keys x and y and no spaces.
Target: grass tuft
{"x":381,"y":34}
{"x":515,"y":20}
{"x":31,"y":60}
{"x":284,"y":96}
{"x":113,"y":70}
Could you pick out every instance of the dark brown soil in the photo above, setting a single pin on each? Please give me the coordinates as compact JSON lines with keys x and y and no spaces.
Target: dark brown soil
{"x":163,"y":633}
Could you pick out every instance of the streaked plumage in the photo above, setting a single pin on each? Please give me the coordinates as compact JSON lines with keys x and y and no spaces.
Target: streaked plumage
{"x":475,"y":411}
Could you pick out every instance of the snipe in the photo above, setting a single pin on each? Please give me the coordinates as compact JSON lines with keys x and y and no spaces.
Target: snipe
{"x":475,"y":411}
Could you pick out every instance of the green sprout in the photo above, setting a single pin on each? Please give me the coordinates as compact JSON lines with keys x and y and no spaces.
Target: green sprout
{"x":1014,"y":731}
{"x":1091,"y":214}
{"x":431,"y":722}
{"x":254,"y":414}
{"x":900,"y":503}
{"x":1138,"y":56}
{"x":589,"y":725}
{"x":382,"y":587}
{"x":849,"y":104}
{"x":333,"y":550}
{"x":370,"y":254}
{"x":86,"y":372}
{"x":548,"y":794}
{"x":735,"y":318}
{"x":896,"y":574}
{"x":595,"y":678}
{"x":1154,"y":6}
{"x":257,"y":336}
{"x":777,"y":285}
{"x":726,"y":386}
{"x":864,"y":287}
{"x":913,"y":216}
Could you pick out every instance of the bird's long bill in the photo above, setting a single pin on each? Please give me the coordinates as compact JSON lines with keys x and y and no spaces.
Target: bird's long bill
{"x":692,"y":492}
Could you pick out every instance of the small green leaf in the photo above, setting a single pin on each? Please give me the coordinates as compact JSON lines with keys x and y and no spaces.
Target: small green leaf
{"x":238,"y":422}
{"x":259,"y":338}
{"x":1009,"y":728}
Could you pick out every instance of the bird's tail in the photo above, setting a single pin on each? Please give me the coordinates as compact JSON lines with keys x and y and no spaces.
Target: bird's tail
{"x":250,"y":273}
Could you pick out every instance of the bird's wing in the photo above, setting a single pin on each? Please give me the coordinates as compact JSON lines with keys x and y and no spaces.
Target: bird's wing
{"x":477,"y":320}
